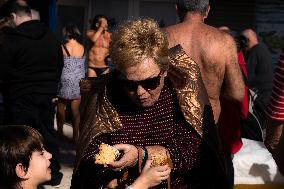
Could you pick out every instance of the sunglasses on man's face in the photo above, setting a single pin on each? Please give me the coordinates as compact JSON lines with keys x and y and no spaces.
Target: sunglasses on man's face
{"x":147,"y":84}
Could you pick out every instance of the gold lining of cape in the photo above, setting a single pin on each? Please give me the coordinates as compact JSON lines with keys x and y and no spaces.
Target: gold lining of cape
{"x":192,"y":99}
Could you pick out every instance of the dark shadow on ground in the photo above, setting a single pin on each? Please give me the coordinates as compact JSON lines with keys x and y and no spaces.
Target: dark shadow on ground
{"x":67,"y":151}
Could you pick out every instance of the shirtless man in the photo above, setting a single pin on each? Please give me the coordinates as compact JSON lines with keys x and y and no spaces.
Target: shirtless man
{"x":214,"y":51}
{"x":100,"y":37}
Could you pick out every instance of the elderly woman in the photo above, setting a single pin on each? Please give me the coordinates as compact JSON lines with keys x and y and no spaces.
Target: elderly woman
{"x":154,"y":103}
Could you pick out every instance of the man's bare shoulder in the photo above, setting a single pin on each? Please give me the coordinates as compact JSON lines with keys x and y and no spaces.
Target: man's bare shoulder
{"x":202,"y":41}
{"x":214,"y":34}
{"x":215,"y":40}
{"x":214,"y":48}
{"x":172,"y":33}
{"x":172,"y":27}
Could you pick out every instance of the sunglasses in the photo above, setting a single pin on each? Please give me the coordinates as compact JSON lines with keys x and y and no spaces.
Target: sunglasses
{"x":147,"y":84}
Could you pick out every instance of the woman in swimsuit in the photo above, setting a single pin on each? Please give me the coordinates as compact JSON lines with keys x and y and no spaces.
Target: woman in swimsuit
{"x":73,"y":71}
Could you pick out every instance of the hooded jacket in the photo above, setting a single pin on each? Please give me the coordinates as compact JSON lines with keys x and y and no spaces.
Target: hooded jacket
{"x":31,"y":60}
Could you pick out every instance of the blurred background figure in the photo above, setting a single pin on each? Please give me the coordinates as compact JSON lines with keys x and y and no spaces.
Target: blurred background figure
{"x":224,"y":28}
{"x":275,"y":112}
{"x":233,"y":114}
{"x":31,"y":62}
{"x":217,"y":62}
{"x":73,"y":71}
{"x":260,"y":75}
{"x":5,"y":22}
{"x":99,"y":52}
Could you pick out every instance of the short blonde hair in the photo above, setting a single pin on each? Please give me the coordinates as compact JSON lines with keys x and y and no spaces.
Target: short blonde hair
{"x":137,"y":40}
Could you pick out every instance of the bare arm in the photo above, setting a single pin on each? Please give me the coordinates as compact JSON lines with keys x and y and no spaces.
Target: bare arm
{"x":94,"y":35}
{"x":233,"y":86}
{"x":151,"y":176}
{"x":274,"y":131}
{"x":274,"y":142}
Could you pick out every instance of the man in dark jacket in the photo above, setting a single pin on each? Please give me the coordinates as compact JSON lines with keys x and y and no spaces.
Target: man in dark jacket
{"x":30,"y":66}
{"x":4,"y":22}
{"x":260,"y":80}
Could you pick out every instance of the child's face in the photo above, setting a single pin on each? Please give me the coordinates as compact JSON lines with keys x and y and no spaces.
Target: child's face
{"x":39,"y":170}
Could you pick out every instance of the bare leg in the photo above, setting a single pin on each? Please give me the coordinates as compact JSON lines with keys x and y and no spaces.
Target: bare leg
{"x":274,"y":142}
{"x":91,"y":73}
{"x":75,"y":104}
{"x":60,"y":116}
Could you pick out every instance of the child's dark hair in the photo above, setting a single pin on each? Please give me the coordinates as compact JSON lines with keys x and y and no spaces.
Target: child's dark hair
{"x":71,"y":31}
{"x":95,"y":21}
{"x":17,"y":143}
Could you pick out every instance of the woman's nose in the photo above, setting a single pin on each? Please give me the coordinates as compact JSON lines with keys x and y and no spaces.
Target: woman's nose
{"x":48,"y":155}
{"x":140,"y":90}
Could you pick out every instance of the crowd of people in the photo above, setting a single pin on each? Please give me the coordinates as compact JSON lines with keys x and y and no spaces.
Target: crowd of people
{"x":144,"y":90}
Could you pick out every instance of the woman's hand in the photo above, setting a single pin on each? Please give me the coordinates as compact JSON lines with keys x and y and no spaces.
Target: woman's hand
{"x":129,"y":158}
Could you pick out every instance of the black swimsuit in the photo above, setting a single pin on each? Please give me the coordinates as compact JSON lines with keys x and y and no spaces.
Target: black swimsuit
{"x":99,"y":71}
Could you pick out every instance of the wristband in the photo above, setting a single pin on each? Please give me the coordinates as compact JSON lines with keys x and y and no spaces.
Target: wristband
{"x":145,"y":157}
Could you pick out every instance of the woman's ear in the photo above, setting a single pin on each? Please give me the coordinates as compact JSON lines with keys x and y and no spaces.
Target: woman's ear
{"x":13,"y":16}
{"x":207,"y":12}
{"x":21,"y":172}
{"x":14,"y":19}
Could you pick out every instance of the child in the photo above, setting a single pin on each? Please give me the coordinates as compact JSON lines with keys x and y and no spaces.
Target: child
{"x":24,"y":163}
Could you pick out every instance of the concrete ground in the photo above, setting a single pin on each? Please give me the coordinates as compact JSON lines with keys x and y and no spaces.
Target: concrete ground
{"x":67,"y":157}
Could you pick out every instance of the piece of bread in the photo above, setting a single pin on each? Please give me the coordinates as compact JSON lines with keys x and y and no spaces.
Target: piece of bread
{"x":106,"y":155}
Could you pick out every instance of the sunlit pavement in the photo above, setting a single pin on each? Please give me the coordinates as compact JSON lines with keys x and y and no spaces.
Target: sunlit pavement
{"x":67,"y":157}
